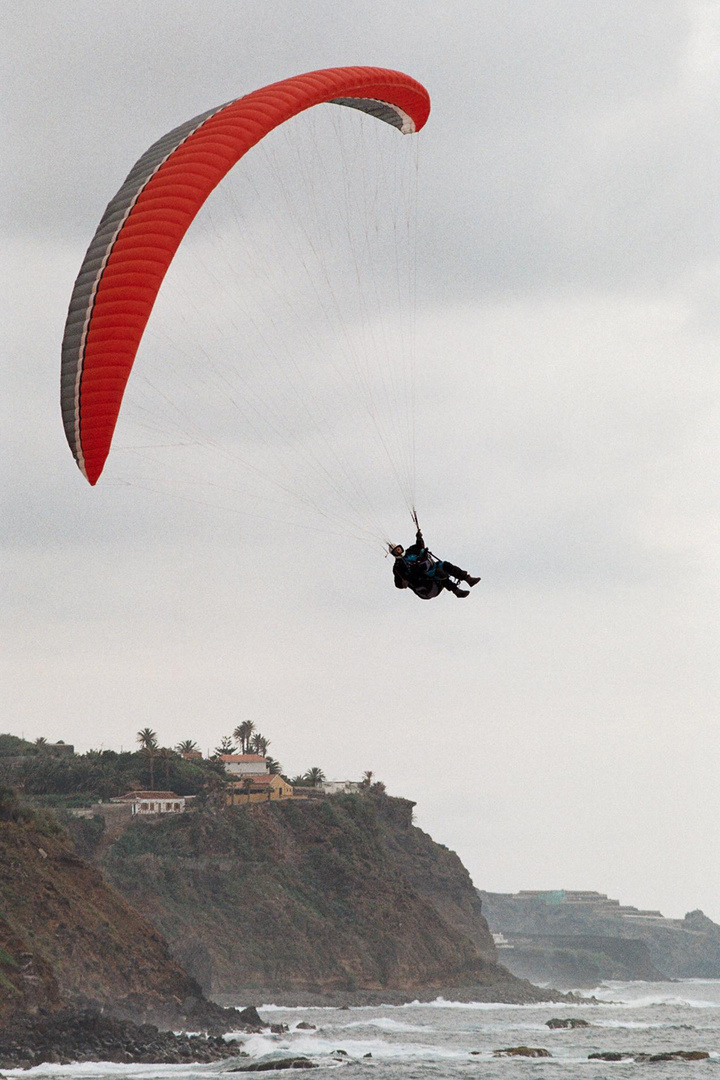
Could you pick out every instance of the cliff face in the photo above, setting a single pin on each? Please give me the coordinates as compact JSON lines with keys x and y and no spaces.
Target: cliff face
{"x":338,"y":896}
{"x":579,"y":961}
{"x":686,"y":948}
{"x":436,"y":874}
{"x":66,"y":937}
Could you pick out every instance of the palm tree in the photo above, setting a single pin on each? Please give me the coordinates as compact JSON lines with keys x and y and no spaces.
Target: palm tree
{"x":243,"y":734}
{"x":150,"y":752}
{"x":367,"y":779}
{"x":274,"y":767}
{"x":147,"y":738}
{"x":187,"y":746}
{"x":259,"y":744}
{"x":314,"y":776}
{"x":41,"y":741}
{"x":166,"y":755}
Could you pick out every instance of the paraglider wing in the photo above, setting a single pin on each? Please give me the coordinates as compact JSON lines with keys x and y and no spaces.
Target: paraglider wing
{"x":144,"y":223}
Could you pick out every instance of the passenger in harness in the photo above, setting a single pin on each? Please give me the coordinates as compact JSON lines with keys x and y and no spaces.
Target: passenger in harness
{"x":418,"y":569}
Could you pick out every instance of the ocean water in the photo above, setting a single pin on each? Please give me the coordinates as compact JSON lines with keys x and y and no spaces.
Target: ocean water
{"x":445,"y":1040}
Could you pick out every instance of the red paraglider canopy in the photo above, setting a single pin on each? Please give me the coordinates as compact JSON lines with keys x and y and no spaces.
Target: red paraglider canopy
{"x":144,"y":223}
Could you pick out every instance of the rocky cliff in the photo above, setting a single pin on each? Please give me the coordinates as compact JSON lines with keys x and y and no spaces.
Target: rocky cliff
{"x":67,"y":938}
{"x":636,"y":945}
{"x":318,"y":900}
{"x":436,"y":874}
{"x":579,"y":961}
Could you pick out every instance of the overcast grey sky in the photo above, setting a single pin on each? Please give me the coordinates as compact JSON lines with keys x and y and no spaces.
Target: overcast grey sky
{"x":560,"y":727}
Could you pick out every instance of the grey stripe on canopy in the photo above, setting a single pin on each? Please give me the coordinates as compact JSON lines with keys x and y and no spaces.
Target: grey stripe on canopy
{"x":111,"y":223}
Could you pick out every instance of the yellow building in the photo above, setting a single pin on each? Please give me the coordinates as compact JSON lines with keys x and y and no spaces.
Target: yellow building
{"x":253,"y":789}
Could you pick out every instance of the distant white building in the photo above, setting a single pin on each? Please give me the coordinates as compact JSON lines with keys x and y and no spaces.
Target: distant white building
{"x":245,"y":764}
{"x":340,"y":787}
{"x":501,"y":942}
{"x":154,"y":802}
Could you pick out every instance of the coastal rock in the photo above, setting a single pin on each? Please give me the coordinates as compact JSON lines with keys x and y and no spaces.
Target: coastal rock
{"x":668,"y":1055}
{"x":681,"y":1055}
{"x":249,"y":1019}
{"x":304,"y":1026}
{"x":65,"y":1036}
{"x":567,"y":1022}
{"x":523,"y":1051}
{"x":276,"y":1066}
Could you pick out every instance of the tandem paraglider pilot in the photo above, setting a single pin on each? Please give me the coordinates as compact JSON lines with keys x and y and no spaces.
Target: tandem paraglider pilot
{"x":418,"y":569}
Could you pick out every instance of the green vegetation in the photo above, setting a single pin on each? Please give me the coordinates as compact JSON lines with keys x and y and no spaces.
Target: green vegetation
{"x":49,"y":778}
{"x":13,"y":810}
{"x":11,"y":745}
{"x":65,"y":780}
{"x":248,"y":741}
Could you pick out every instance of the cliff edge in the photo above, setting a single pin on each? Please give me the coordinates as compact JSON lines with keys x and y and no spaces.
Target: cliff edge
{"x":338,"y":899}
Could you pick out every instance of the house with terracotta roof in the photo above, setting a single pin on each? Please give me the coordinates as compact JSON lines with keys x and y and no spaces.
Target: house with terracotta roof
{"x":245,"y":764}
{"x":251,"y":789}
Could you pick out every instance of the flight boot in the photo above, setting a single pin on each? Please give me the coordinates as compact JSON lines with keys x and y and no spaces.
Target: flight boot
{"x":458,"y":591}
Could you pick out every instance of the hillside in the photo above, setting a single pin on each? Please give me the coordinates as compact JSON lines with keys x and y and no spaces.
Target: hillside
{"x":625,"y":943}
{"x":339,"y":898}
{"x":67,"y":938}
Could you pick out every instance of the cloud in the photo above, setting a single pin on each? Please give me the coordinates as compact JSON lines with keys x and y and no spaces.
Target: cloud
{"x":567,"y":335}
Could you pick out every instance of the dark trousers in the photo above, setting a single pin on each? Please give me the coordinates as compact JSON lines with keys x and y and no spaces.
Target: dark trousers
{"x":448,"y":569}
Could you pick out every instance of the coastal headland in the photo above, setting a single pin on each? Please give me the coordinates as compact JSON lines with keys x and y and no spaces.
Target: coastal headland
{"x":163,"y":918}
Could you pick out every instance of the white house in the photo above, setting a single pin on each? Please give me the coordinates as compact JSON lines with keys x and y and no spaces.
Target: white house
{"x":245,"y":764}
{"x":154,"y":802}
{"x":340,"y":787}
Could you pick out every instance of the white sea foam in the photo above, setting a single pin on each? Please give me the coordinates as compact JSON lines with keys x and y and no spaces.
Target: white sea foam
{"x":316,"y":1046}
{"x":613,"y":999}
{"x":89,"y":1069}
{"x":442,"y":1003}
{"x":291,"y":1008}
{"x":386,"y":1023}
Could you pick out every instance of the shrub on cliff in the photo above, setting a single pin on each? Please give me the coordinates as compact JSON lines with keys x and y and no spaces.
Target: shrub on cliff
{"x":12,"y":809}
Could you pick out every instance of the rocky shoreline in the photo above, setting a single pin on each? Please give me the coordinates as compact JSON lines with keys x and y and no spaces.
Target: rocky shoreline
{"x":515,"y":992}
{"x":67,"y":1037}
{"x":71,"y":1036}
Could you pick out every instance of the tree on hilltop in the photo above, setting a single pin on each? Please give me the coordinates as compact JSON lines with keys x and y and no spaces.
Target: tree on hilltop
{"x":227,"y":746}
{"x":314,"y":776}
{"x":243,"y":733}
{"x":150,"y":753}
{"x":187,"y":746}
{"x":147,"y":739}
{"x":166,"y":755}
{"x":259,"y":744}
